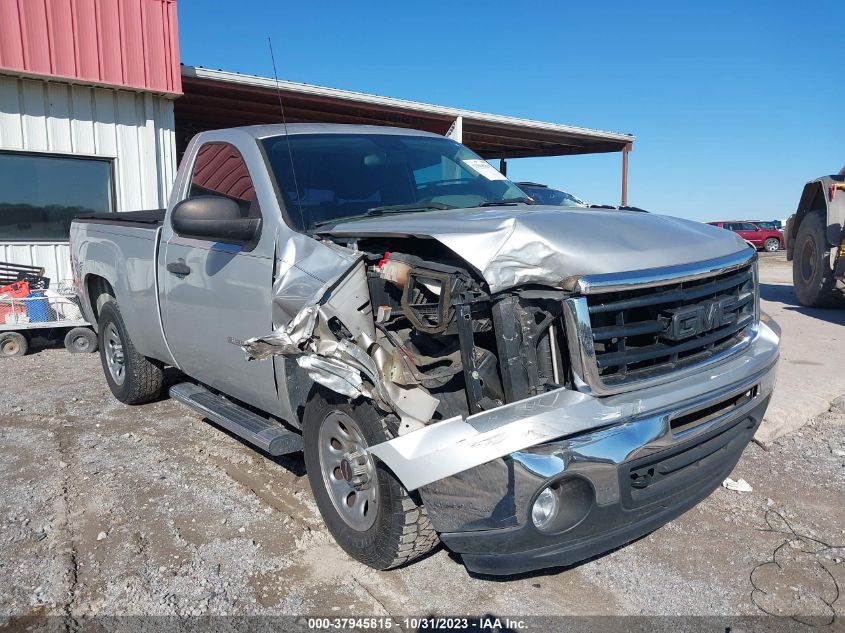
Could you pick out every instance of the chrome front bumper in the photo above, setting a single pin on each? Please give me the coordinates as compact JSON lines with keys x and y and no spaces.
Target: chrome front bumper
{"x":641,"y":470}
{"x":514,"y":545}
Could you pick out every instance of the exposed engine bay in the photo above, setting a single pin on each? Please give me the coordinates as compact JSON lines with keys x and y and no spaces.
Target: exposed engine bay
{"x":415,"y":329}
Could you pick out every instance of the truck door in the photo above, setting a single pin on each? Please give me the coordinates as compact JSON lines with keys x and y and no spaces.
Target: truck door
{"x":215,"y":294}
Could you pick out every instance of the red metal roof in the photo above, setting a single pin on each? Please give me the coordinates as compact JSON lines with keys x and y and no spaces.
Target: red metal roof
{"x":129,"y":43}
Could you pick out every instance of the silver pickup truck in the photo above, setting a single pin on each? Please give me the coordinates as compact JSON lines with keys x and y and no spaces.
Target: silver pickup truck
{"x":529,"y":385}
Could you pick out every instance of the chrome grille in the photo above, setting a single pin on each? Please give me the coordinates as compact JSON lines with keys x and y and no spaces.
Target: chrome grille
{"x":623,"y":336}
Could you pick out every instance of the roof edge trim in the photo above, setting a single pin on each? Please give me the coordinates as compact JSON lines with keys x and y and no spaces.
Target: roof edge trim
{"x":417,"y":106}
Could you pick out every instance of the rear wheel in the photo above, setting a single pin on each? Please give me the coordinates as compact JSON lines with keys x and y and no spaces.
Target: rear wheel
{"x":132,"y":378}
{"x":812,"y":275}
{"x":367,"y":510}
{"x":81,"y":340}
{"x":13,"y":344}
{"x":772,"y":244}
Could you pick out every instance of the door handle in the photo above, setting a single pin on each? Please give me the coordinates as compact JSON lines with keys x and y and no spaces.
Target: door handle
{"x":179,"y":268}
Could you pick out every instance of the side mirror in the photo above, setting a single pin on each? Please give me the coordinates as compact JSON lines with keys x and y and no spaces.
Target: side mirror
{"x":213,"y":218}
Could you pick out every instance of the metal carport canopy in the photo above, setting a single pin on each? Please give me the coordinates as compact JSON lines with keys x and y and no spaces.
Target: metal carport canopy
{"x":214,"y":99}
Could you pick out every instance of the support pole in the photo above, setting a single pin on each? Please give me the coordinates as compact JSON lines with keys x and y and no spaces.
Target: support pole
{"x":456,"y":130}
{"x":503,"y":166}
{"x":625,"y":151}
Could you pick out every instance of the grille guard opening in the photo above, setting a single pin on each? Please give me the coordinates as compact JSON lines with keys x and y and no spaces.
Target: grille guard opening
{"x":680,"y":425}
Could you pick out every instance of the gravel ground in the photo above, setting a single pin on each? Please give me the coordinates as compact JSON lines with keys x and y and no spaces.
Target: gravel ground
{"x":115,"y":510}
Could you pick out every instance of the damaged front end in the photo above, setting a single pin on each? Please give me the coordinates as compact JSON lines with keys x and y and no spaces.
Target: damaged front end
{"x":497,"y":412}
{"x":422,"y":339}
{"x":335,"y":341}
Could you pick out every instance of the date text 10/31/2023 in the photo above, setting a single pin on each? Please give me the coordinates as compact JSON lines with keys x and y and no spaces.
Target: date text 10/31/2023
{"x":487,"y":623}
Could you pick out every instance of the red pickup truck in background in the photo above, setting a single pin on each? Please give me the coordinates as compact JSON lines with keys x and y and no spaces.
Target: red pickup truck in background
{"x":768,"y":239}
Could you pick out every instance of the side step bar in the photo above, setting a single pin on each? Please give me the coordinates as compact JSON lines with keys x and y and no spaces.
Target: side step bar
{"x":265,"y":433}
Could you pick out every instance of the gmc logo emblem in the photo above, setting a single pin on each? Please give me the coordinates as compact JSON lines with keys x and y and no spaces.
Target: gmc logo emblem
{"x":689,"y":321}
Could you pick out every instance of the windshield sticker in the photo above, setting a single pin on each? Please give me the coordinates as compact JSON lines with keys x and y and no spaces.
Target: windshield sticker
{"x":483,"y":168}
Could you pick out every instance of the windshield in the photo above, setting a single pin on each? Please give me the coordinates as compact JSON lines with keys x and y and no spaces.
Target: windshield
{"x":544,"y":195}
{"x":338,"y":176}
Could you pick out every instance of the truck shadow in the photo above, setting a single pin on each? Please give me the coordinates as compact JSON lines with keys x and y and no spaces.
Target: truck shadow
{"x":38,"y":344}
{"x":292,"y":462}
{"x":782,"y":293}
{"x":537,"y":574}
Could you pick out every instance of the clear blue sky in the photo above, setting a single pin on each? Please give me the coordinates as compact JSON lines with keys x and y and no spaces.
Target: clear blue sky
{"x":734,"y":104}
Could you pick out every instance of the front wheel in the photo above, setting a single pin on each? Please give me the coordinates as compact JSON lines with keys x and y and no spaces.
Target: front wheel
{"x":771,"y":245}
{"x":132,"y":378}
{"x":367,"y":510}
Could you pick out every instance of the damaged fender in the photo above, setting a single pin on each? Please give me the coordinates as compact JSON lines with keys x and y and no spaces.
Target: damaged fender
{"x":334,"y":340}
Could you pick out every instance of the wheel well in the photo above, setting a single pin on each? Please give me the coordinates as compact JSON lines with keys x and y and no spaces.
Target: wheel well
{"x":96,"y":287}
{"x":812,"y":199}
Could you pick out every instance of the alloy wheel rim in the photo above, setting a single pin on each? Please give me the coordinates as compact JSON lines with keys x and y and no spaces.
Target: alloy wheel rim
{"x":339,"y":437}
{"x":114,"y":354}
{"x":81,"y":343}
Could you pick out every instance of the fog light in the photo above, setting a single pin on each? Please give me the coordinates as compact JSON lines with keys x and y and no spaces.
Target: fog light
{"x":545,"y":509}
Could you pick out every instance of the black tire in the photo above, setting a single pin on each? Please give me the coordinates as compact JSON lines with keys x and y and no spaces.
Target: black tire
{"x":142,"y":379}
{"x":771,"y":245}
{"x":812,"y":274}
{"x":401,"y":530}
{"x":13,"y":344}
{"x":81,"y":340}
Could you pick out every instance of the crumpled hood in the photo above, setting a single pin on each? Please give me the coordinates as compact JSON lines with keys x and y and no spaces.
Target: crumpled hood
{"x":511,"y":246}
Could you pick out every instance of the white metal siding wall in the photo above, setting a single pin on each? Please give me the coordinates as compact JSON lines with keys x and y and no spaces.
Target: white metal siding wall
{"x":135,"y":129}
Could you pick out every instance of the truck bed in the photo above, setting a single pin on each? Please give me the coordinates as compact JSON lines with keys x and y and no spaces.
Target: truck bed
{"x":118,"y":252}
{"x":151,"y":219}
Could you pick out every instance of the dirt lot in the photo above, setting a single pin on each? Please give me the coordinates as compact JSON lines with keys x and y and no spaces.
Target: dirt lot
{"x":109,"y":509}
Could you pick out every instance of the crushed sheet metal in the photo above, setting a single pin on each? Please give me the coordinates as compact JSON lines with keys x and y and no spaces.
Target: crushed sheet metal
{"x":284,"y":341}
{"x":414,"y":405}
{"x":305,"y":269}
{"x":511,"y":246}
{"x":335,"y":375}
{"x":341,"y":365}
{"x":289,"y":339}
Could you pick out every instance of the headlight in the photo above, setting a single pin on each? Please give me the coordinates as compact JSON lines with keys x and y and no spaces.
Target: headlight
{"x":545,"y":509}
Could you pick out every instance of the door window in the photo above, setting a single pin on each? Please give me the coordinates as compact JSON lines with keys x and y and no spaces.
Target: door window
{"x":220,"y":170}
